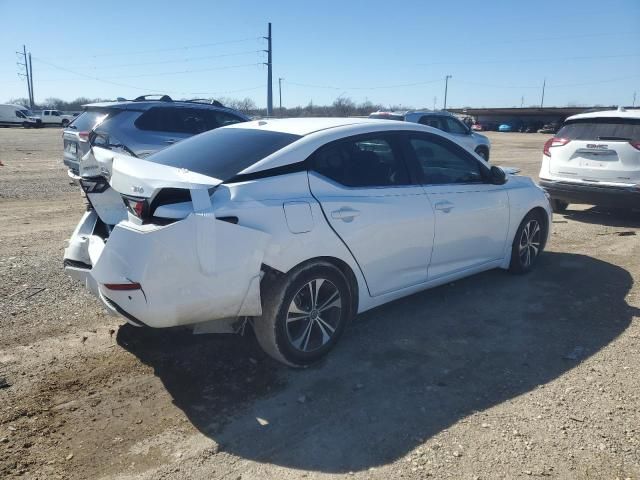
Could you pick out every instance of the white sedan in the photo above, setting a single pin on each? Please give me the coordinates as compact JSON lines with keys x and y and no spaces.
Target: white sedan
{"x":297,"y":225}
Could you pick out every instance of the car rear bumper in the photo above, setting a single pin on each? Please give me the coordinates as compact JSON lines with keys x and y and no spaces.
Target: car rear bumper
{"x":194,"y":270}
{"x":590,"y":194}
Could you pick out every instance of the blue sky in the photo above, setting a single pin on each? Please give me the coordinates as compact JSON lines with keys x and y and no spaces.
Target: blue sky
{"x":389,"y":52}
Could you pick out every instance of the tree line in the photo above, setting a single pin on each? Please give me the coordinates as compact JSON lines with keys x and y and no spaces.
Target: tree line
{"x":341,"y":106}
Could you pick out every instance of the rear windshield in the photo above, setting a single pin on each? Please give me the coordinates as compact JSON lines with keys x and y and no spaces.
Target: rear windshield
{"x":224,"y":152}
{"x":625,"y":129}
{"x":87,"y":121}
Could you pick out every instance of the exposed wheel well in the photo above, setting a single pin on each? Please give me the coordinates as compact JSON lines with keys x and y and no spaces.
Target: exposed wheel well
{"x":272,"y":273}
{"x":545,"y":221}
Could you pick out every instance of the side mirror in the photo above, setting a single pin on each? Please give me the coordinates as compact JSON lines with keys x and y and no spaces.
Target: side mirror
{"x":498,"y":176}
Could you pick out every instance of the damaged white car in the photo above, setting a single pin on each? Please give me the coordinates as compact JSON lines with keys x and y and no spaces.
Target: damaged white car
{"x":297,"y":225}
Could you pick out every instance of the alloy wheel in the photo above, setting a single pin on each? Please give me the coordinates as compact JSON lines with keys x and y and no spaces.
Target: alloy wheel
{"x":530,"y":242}
{"x":314,"y":315}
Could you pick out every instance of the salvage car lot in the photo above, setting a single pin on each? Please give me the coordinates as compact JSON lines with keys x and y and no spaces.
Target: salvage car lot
{"x":494,"y":376}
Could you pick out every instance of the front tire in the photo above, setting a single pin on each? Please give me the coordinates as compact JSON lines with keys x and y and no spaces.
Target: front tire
{"x":528,"y":243}
{"x":65,"y":123}
{"x":304,"y":314}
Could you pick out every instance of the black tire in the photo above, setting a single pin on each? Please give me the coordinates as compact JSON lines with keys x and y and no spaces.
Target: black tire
{"x":558,"y":206}
{"x":484,"y":153}
{"x":290,"y":329}
{"x":528,"y":243}
{"x":26,"y":125}
{"x":65,"y":122}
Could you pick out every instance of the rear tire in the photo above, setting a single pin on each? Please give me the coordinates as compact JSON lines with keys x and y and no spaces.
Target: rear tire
{"x":558,"y":206}
{"x":304,"y":314}
{"x":528,"y":243}
{"x":26,"y":125}
{"x":65,"y":122}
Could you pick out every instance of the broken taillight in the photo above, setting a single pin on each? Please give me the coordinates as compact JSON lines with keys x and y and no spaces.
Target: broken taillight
{"x":137,"y":206}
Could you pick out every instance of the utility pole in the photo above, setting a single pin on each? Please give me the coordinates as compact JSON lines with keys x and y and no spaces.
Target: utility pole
{"x":280,"y":92}
{"x":33,"y":97}
{"x":269,"y":80}
{"x":435,"y":99}
{"x":522,"y":101}
{"x":544,"y":83}
{"x":446,"y":86}
{"x":634,"y":100}
{"x":26,"y":73}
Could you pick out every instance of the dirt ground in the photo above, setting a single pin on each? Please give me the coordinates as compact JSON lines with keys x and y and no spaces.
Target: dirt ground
{"x":495,"y":376}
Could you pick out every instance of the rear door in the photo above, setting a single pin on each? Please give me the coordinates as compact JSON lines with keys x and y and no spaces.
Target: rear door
{"x":599,"y":150}
{"x":384,"y":218}
{"x":471,"y":215}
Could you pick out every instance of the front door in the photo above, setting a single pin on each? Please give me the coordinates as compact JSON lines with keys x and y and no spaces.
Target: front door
{"x":385,"y":220}
{"x":471,"y":214}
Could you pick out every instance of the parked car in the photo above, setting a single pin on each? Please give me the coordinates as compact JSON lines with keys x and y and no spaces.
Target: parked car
{"x":17,"y":115}
{"x":505,"y":127}
{"x":300,"y":224}
{"x":141,"y":126}
{"x":54,"y":117}
{"x":552,"y":127}
{"x":594,"y":159}
{"x":446,"y":122}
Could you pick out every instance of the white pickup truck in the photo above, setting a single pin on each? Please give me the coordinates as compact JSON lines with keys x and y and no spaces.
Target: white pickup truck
{"x":55,"y":117}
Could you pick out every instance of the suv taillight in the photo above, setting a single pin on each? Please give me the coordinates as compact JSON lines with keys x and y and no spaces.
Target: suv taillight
{"x":83,"y":136}
{"x":137,"y":206}
{"x":635,"y":144}
{"x":554,"y":142}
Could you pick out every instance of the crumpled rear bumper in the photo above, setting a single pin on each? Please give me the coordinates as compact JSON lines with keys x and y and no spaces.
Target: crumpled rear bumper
{"x":194,"y":270}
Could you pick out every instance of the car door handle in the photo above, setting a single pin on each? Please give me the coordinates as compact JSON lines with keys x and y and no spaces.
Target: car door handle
{"x":346,"y":214}
{"x":170,"y":141}
{"x":444,"y":206}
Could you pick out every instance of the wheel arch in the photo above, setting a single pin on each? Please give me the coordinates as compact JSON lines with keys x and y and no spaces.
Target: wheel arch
{"x":271,"y":273}
{"x":483,"y":148}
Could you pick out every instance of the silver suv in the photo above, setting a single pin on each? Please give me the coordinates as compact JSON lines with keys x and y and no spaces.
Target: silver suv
{"x":446,"y":122}
{"x":142,"y":126}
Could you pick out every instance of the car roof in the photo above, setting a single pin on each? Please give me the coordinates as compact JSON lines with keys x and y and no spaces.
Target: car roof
{"x":619,"y":113}
{"x":306,"y":125}
{"x":147,"y":104}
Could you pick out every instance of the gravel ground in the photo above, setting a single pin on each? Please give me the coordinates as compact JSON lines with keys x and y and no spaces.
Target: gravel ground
{"x":494,"y":376}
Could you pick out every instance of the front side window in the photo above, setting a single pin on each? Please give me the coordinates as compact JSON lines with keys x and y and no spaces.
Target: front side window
{"x":442,"y":163}
{"x":372,"y":161}
{"x":19,"y":114}
{"x":432,"y":121}
{"x":46,"y":113}
{"x":454,"y":126}
{"x":55,"y":113}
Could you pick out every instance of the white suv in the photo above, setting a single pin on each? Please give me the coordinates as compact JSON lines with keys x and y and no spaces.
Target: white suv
{"x":594,"y":159}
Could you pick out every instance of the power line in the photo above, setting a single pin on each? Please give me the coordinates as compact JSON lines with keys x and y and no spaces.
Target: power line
{"x":164,"y":62}
{"x":173,"y":49}
{"x":530,"y":60}
{"x":378,"y":87}
{"x":159,"y":74}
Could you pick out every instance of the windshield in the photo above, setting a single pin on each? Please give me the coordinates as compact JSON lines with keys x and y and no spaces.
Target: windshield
{"x":224,"y":152}
{"x":624,"y":129}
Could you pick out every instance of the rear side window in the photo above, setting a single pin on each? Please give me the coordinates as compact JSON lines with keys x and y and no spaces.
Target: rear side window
{"x":625,"y":129}
{"x":184,"y":120}
{"x":224,"y":152}
{"x":387,"y":116}
{"x":362,"y":162}
{"x":89,"y":120}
